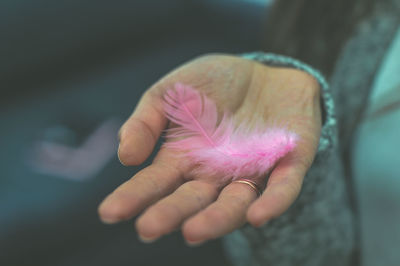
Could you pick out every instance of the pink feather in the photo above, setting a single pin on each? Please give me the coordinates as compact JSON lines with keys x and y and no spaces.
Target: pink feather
{"x":218,"y":148}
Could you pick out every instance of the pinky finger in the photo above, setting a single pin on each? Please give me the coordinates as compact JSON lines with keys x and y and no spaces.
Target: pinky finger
{"x":282,"y":190}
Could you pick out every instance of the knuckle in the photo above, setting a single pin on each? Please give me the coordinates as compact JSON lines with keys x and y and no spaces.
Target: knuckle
{"x":151,"y":94}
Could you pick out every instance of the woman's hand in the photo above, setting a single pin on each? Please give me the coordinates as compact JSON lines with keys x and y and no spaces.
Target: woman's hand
{"x":168,"y":193}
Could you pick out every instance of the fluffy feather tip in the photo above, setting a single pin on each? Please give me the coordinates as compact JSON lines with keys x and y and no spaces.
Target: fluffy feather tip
{"x":218,"y":148}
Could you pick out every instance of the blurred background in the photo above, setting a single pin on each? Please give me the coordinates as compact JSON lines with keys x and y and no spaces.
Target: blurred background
{"x":72,"y":71}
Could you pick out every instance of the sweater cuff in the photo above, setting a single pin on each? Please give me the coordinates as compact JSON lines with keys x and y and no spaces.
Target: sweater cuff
{"x":328,"y":130}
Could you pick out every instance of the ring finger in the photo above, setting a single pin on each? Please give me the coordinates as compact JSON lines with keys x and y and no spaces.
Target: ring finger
{"x":226,"y":214}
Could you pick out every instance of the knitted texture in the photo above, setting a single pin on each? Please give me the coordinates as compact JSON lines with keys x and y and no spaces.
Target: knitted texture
{"x":318,"y":228}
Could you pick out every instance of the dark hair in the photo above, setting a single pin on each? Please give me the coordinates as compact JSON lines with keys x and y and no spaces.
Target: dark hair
{"x":313,"y":31}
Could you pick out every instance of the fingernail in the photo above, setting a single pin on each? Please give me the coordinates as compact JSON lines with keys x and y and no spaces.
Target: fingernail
{"x":194,"y":243}
{"x":106,"y":210}
{"x":120,"y":134}
{"x":119,"y":158}
{"x":105,"y":217}
{"x":147,"y":240}
{"x":106,"y":220}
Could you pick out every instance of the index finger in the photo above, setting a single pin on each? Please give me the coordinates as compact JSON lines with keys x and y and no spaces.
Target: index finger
{"x":147,"y":186}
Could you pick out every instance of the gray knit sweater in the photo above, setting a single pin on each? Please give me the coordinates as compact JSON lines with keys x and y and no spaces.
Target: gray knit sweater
{"x":320,"y":229}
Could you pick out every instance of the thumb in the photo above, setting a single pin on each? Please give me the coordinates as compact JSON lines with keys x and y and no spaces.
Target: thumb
{"x":141,"y":131}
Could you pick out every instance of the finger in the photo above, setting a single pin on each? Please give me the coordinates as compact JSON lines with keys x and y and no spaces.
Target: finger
{"x":147,"y":186}
{"x":169,"y":213}
{"x":141,"y":131}
{"x":283,"y":187}
{"x":226,"y":214}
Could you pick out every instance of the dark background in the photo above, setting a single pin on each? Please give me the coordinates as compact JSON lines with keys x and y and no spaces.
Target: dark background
{"x":67,"y":68}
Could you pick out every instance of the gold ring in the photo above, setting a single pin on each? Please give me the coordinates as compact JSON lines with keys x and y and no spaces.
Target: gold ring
{"x":251,"y":184}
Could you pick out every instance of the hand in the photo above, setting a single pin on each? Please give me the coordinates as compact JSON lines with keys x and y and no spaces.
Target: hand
{"x":168,"y":193}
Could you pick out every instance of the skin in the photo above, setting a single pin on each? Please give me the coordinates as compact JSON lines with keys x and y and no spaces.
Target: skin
{"x":170,"y":197}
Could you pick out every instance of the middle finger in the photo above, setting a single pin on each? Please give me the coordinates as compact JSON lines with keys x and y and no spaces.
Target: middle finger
{"x":226,"y":214}
{"x":168,"y":214}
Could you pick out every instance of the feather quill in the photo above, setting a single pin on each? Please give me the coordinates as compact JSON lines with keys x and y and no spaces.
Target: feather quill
{"x":219,"y":149}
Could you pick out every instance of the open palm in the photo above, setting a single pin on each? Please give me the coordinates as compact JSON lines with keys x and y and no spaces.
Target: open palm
{"x":168,"y":191}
